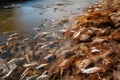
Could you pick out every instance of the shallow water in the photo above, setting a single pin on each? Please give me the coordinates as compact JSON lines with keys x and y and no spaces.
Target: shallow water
{"x":32,"y":13}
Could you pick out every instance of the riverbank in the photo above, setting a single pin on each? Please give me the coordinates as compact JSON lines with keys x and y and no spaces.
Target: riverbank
{"x":88,"y":49}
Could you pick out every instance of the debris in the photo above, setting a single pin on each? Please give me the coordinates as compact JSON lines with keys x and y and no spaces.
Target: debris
{"x":42,"y":77}
{"x":41,"y":66}
{"x":83,"y":64}
{"x":62,"y":30}
{"x":37,"y":29}
{"x":88,"y":50}
{"x":8,"y":74}
{"x":95,"y":50}
{"x":13,"y":6}
{"x":90,"y":70}
{"x":85,"y":38}
{"x":30,"y":65}
{"x":50,"y":57}
{"x":32,"y":77}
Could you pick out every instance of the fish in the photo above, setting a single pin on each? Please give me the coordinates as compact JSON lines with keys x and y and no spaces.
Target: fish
{"x":90,"y":70}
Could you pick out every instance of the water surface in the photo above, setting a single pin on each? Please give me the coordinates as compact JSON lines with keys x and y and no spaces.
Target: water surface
{"x":32,"y":13}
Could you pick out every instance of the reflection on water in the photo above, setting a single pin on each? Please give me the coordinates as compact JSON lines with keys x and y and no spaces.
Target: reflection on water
{"x":31,"y":13}
{"x":7,"y":20}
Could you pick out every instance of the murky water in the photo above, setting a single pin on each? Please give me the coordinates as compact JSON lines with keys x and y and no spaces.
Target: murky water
{"x":32,"y":13}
